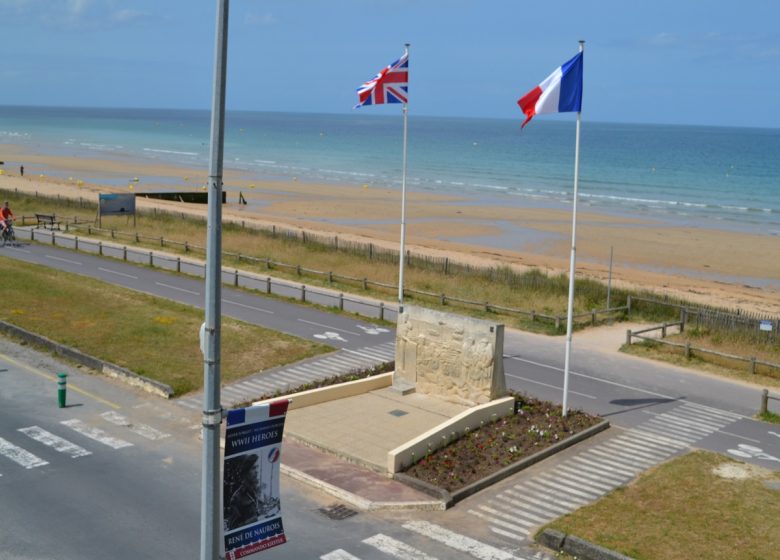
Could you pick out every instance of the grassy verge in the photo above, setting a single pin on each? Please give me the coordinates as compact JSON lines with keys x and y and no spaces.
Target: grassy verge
{"x":530,"y":291}
{"x":151,"y":336}
{"x":709,"y":363}
{"x":683,"y":509}
{"x":770,"y":416}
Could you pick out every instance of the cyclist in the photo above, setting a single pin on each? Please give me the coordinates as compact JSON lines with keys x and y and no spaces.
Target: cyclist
{"x":5,"y":213}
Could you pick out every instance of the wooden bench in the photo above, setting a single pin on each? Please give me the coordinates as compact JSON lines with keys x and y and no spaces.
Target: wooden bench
{"x":49,"y":220}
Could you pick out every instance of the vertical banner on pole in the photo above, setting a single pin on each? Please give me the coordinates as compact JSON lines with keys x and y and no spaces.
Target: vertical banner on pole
{"x":252,"y":516}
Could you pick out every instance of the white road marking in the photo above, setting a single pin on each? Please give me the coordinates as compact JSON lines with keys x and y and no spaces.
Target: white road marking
{"x":327,"y":327}
{"x":55,"y":442}
{"x":459,"y":542}
{"x":245,"y":306}
{"x":396,"y":548}
{"x":177,"y":288}
{"x":548,"y":385}
{"x":338,"y":554}
{"x":20,"y":250}
{"x":329,"y":335}
{"x":20,"y":456}
{"x":96,"y":434}
{"x":141,"y":429}
{"x":118,"y":273}
{"x":63,"y":260}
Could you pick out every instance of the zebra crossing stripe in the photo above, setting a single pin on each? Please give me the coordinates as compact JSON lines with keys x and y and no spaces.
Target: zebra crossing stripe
{"x":507,"y":503}
{"x":570,"y":502}
{"x":631,"y":447}
{"x":338,"y":554}
{"x":557,"y":510}
{"x":20,"y":456}
{"x":566,"y":490}
{"x":599,"y":465}
{"x":515,"y":520}
{"x":605,"y":461}
{"x":55,"y":442}
{"x":516,"y":528}
{"x":655,"y":425}
{"x":95,"y":434}
{"x":396,"y":548}
{"x":459,"y":542}
{"x":697,"y":419}
{"x":594,"y":473}
{"x":621,"y":459}
{"x":704,"y":409}
{"x":656,"y":441}
{"x":533,"y":520}
{"x":141,"y":429}
{"x":685,"y":427}
{"x":578,"y":482}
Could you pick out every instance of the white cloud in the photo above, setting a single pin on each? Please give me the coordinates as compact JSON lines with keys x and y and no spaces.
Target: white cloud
{"x":664,"y":39}
{"x":259,"y":19}
{"x":74,"y":14}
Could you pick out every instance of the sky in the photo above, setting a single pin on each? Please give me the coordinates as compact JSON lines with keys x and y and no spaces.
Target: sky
{"x":694,"y":62}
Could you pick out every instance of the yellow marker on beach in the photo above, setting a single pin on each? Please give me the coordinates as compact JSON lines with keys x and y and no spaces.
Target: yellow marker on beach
{"x":70,"y":178}
{"x":186,"y":178}
{"x":130,"y":187}
{"x":135,"y":179}
{"x":251,"y":186}
{"x":79,"y":182}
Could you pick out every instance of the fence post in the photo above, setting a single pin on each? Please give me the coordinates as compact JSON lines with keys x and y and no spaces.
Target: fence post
{"x":151,"y":258}
{"x":753,"y":365}
{"x":370,"y":250}
{"x":443,"y":299}
{"x":533,"y":315}
{"x":124,"y":252}
{"x":628,"y":337}
{"x":663,"y":330}
{"x":557,"y":322}
{"x":76,"y":240}
{"x":162,"y":241}
{"x":186,"y":247}
{"x":303,"y":292}
{"x":89,"y":231}
{"x":100,"y":248}
{"x":235,"y":278}
{"x":298,"y":269}
{"x":337,"y":243}
{"x":764,"y":402}
{"x":330,"y":277}
{"x":687,"y":350}
{"x":487,"y":306}
{"x":32,"y":235}
{"x":628,"y":305}
{"x":178,"y":264}
{"x":365,"y":283}
{"x":381,"y":311}
{"x":53,"y":238}
{"x":113,"y":233}
{"x":683,"y":317}
{"x":238,"y":257}
{"x":267,"y":263}
{"x":446,"y":265}
{"x":341,"y":301}
{"x":137,"y":240}
{"x":592,"y":316}
{"x":268,"y":285}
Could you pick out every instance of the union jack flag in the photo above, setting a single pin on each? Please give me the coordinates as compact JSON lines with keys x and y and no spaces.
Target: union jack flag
{"x":391,"y":85}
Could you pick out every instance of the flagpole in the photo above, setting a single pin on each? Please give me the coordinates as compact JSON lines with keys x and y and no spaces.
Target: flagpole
{"x":570,"y":310}
{"x":402,"y":254}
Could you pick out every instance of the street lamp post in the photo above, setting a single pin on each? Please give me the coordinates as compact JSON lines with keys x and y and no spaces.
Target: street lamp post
{"x":210,"y":339}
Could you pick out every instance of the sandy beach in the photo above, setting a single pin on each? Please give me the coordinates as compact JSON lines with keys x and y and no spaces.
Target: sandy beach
{"x":712,"y":266}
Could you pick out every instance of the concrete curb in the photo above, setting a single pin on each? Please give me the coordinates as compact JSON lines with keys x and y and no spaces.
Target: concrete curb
{"x":358,"y":501}
{"x":452,"y":498}
{"x":575,"y":546}
{"x":106,"y":368}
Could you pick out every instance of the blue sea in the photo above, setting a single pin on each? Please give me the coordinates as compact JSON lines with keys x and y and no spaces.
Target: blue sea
{"x":727,"y":178}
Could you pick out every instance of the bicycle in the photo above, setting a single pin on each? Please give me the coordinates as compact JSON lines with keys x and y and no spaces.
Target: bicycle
{"x":9,"y":235}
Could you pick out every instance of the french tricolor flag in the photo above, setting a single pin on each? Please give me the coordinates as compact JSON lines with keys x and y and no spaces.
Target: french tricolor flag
{"x":561,"y":92}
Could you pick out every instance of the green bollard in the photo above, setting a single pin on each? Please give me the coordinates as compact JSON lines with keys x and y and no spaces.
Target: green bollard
{"x":62,"y":388}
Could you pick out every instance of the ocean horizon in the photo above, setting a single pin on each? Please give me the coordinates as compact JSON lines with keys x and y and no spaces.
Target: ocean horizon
{"x":702,"y":176}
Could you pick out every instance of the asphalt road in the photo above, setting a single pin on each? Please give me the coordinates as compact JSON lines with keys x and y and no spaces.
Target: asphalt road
{"x":625,"y":389}
{"x":116,"y":474}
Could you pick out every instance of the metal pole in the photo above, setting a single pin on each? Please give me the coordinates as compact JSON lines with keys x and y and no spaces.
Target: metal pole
{"x":570,"y":312}
{"x":402,"y":253}
{"x":210,"y":343}
{"x":609,"y":281}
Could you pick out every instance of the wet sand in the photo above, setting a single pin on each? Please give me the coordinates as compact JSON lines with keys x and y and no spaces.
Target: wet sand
{"x":712,"y":266}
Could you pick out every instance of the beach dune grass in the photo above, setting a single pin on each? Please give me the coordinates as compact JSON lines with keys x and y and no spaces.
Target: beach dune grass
{"x":532,"y":290}
{"x":683,"y":509}
{"x":151,"y":336}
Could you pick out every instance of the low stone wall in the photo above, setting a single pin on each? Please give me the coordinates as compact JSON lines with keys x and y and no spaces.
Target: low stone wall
{"x":441,"y":435}
{"x":333,"y":392}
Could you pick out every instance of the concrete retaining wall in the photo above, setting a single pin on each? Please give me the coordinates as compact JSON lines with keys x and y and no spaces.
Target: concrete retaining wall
{"x":441,"y":435}
{"x":333,"y":392}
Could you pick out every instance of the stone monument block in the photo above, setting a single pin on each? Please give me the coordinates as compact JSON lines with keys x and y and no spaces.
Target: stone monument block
{"x":450,"y":356}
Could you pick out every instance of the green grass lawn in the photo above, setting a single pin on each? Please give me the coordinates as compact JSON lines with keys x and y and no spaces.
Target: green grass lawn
{"x":151,"y":336}
{"x":683,"y":510}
